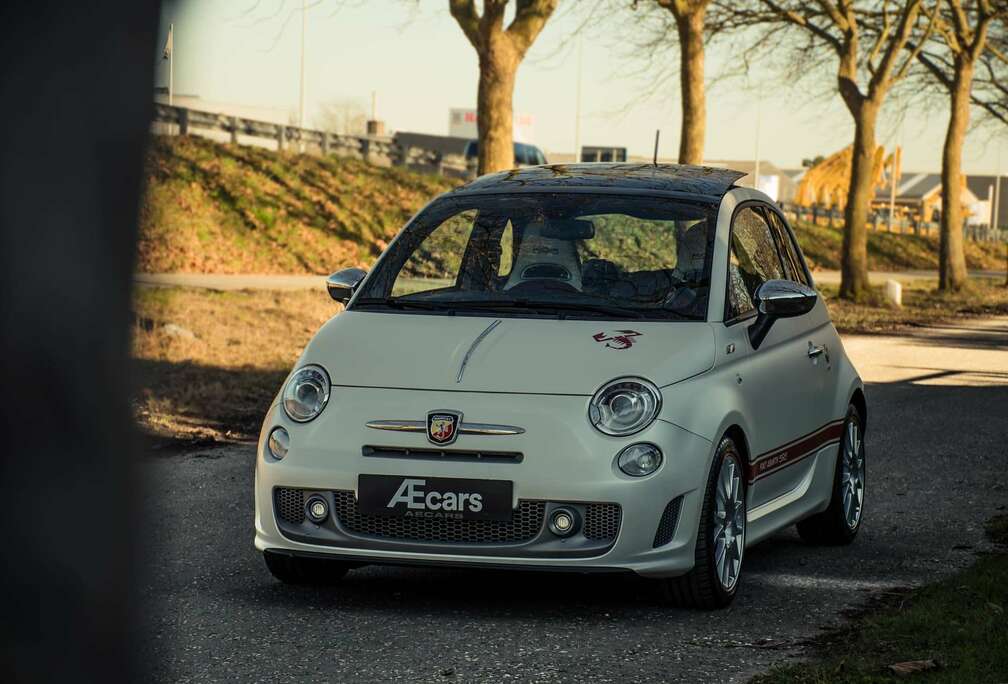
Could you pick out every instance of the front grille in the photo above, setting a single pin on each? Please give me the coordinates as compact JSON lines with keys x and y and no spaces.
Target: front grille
{"x":667,"y":524}
{"x":289,"y":505}
{"x":524,"y":525}
{"x":443,"y":454}
{"x":602,"y":521}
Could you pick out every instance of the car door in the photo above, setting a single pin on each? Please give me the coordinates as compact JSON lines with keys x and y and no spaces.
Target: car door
{"x":782,"y":386}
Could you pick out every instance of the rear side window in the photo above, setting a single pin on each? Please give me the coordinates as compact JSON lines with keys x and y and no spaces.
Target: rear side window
{"x":753,"y":260}
{"x":788,"y":249}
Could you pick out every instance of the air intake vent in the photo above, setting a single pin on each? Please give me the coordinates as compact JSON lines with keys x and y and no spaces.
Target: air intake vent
{"x":668,"y":522}
{"x":602,"y":521}
{"x":289,"y":505}
{"x":523,"y":527}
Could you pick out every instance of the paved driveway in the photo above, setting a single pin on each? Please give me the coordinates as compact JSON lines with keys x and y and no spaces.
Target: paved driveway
{"x":938,"y":426}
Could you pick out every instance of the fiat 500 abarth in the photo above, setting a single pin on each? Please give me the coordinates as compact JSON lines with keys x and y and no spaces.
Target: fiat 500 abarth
{"x":602,"y":367}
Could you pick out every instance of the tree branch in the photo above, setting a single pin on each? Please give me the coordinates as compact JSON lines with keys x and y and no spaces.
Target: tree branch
{"x":468,"y":20}
{"x":530,"y":17}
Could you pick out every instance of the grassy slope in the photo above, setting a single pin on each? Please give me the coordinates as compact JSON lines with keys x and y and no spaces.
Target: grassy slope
{"x":892,"y":251}
{"x":218,"y":208}
{"x":215,"y":208}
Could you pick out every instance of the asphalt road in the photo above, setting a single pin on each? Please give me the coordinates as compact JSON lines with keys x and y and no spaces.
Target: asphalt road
{"x":937,"y":430}
{"x":218,"y":281}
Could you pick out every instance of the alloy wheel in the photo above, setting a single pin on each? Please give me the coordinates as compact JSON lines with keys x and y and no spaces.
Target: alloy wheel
{"x":852,"y":475}
{"x":729,"y":523}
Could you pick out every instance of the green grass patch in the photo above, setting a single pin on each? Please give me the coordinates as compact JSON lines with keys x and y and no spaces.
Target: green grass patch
{"x":923,"y":304}
{"x":892,"y":251}
{"x":959,"y":623}
{"x":216,"y":208}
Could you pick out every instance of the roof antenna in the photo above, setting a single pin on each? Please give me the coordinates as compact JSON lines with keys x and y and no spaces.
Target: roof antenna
{"x":657,"y":133}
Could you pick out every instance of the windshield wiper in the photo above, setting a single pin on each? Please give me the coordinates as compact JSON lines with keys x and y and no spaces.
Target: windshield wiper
{"x":399,"y":303}
{"x":537,"y":306}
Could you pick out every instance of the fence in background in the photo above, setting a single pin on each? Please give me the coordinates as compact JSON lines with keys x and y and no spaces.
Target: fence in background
{"x":879,"y":221}
{"x":381,"y":150}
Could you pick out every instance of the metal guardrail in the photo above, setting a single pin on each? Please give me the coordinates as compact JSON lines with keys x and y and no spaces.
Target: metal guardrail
{"x":374,"y":149}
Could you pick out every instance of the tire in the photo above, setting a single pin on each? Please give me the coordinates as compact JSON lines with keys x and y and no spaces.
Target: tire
{"x":304,"y":571}
{"x":703,"y":586}
{"x":834,"y":526}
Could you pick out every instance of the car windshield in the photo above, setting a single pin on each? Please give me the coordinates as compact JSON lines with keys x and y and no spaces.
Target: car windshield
{"x":568,"y":255}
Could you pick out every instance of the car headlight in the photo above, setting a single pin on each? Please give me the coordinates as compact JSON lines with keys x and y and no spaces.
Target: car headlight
{"x":306,"y":393}
{"x":639,"y":460}
{"x":624,"y":406}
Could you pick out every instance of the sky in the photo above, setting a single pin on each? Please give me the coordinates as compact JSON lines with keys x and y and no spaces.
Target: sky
{"x":414,"y":58}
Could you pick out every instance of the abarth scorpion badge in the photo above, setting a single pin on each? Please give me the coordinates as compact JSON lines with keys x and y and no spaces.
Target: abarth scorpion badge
{"x":443,"y":426}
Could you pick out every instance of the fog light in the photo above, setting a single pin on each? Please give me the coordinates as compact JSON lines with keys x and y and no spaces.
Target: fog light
{"x":563,"y":522}
{"x":317,"y":508}
{"x":639,"y":460}
{"x":278,"y":443}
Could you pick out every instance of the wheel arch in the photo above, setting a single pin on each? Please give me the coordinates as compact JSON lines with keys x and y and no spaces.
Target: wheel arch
{"x":858,"y":400}
{"x":737,"y":435}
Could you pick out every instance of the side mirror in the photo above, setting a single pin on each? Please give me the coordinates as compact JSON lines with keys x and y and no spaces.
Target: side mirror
{"x":342,"y":284}
{"x":779,"y":299}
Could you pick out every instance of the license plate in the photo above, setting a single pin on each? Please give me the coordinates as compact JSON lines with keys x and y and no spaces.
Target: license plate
{"x":436,"y":498}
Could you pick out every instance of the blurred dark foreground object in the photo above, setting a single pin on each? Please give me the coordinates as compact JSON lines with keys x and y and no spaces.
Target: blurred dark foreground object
{"x":76,"y":87}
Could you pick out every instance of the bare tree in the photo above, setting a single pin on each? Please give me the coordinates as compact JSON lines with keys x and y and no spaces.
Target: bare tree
{"x":951,"y":58}
{"x":500,"y":51}
{"x":343,"y":117}
{"x":690,"y":16}
{"x":869,"y":45}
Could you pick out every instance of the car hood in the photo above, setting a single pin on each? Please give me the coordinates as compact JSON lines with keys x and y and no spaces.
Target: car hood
{"x":541,"y":356}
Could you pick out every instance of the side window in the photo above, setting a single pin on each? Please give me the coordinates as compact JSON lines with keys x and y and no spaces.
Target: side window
{"x":788,"y":249}
{"x":435,"y":263}
{"x":753,"y":261}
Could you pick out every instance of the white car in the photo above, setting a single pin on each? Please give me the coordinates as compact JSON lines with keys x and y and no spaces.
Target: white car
{"x":600,"y":367}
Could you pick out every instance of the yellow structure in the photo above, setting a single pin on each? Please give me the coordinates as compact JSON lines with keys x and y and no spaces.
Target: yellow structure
{"x":825,"y":184}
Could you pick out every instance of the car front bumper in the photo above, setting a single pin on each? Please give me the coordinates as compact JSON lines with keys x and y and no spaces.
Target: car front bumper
{"x":560,"y":461}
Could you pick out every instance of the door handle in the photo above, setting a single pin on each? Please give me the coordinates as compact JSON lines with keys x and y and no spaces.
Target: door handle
{"x":814,"y":351}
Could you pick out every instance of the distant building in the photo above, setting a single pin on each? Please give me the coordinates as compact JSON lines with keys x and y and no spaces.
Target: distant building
{"x":919,"y":195}
{"x":983,"y":188}
{"x":596,"y":153}
{"x":462,"y":124}
{"x":773,"y":181}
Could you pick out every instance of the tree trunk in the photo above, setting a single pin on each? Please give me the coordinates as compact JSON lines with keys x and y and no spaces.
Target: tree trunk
{"x":494,"y":110}
{"x":691,"y":80}
{"x":854,"y":258}
{"x":951,"y":259}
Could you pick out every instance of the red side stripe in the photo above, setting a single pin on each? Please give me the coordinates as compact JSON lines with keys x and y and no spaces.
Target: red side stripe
{"x":794,"y":451}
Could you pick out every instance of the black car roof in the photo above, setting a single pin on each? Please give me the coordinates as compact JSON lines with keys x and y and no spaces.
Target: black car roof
{"x":666,"y":179}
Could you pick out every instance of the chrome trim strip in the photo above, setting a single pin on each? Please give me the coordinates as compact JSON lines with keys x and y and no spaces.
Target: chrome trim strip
{"x":490,"y":429}
{"x":472,"y":348}
{"x":398,"y":425}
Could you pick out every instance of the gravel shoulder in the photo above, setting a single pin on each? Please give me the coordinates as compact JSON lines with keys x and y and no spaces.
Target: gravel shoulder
{"x":936,"y":440}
